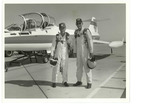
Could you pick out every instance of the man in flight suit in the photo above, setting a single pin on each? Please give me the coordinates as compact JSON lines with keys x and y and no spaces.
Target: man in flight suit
{"x":60,"y":50}
{"x":83,"y":49}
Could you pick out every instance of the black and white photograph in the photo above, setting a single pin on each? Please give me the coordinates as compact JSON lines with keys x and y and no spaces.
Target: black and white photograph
{"x":65,"y":50}
{"x":74,"y":54}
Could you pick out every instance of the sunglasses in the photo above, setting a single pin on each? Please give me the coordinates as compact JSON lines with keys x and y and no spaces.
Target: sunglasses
{"x":78,"y":23}
{"x":62,"y":27}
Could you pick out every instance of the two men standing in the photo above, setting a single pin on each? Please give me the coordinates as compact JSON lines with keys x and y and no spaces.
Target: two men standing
{"x":82,"y":48}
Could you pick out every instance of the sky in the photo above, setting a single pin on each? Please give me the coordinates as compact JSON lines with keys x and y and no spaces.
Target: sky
{"x":113,"y":29}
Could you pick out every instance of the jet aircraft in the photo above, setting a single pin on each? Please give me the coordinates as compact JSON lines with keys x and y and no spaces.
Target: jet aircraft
{"x":37,"y":32}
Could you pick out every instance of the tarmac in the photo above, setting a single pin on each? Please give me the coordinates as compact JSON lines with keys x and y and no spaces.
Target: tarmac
{"x":33,"y":79}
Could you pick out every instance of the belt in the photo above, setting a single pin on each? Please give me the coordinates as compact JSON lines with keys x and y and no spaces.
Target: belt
{"x":78,"y":35}
{"x":61,"y":41}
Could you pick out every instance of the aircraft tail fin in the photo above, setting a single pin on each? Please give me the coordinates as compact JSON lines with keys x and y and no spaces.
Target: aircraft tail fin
{"x":123,"y":39}
{"x":93,"y":27}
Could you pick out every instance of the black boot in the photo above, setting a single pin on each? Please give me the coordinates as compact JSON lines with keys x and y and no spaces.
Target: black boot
{"x":88,"y":86}
{"x":53,"y":85}
{"x":66,"y":84}
{"x":78,"y":83}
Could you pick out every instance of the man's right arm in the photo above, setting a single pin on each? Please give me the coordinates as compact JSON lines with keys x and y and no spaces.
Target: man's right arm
{"x":74,"y":44}
{"x":53,"y":46}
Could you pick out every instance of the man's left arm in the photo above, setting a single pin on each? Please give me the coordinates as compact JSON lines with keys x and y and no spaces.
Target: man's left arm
{"x":90,"y":42}
{"x":68,"y":39}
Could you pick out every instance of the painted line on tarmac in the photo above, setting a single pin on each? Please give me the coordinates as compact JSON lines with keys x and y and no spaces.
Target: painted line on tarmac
{"x":94,"y":92}
{"x":35,"y":81}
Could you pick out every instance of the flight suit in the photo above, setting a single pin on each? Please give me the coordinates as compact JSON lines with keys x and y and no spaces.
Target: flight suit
{"x":83,"y":46}
{"x":60,"y":51}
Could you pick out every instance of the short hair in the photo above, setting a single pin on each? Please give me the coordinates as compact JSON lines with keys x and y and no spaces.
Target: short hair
{"x":78,"y":20}
{"x":62,"y":25}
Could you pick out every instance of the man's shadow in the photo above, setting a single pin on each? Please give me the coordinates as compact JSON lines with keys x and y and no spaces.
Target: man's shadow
{"x":101,"y":56}
{"x":24,"y":60}
{"x":30,"y":83}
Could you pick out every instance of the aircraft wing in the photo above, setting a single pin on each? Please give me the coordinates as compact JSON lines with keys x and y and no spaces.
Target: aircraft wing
{"x":100,"y":42}
{"x":113,"y":44}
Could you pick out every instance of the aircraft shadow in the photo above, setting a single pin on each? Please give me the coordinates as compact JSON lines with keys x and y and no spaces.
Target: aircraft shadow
{"x":30,"y":83}
{"x":24,"y":61}
{"x":101,"y":56}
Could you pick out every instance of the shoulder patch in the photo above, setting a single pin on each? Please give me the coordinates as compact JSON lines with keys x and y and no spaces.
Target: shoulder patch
{"x":67,"y":34}
{"x":57,"y":37}
{"x":57,"y":34}
{"x":86,"y":30}
{"x":75,"y":33}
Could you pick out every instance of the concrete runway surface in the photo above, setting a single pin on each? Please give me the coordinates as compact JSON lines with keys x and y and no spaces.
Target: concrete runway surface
{"x":33,"y":80}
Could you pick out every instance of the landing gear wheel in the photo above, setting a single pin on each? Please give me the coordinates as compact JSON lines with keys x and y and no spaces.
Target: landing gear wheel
{"x":45,"y":60}
{"x":6,"y":68}
{"x":8,"y":53}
